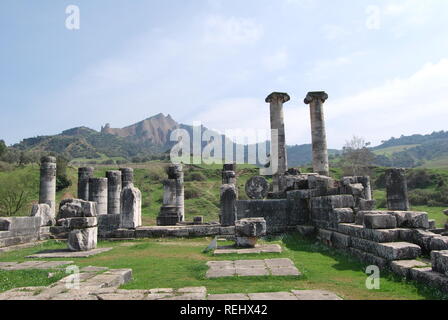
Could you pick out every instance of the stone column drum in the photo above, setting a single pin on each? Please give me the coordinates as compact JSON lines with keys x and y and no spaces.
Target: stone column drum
{"x":84,"y":174}
{"x":47,"y":191}
{"x":127,"y":177}
{"x":319,"y":138}
{"x":397,"y":190}
{"x":278,"y":139}
{"x":228,"y":198}
{"x":229,"y":173}
{"x":98,"y":194}
{"x":113,"y":192}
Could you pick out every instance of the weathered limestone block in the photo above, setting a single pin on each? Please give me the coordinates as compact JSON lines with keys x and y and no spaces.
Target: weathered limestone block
{"x":20,"y":226}
{"x":71,"y":208}
{"x":380,"y":221}
{"x":83,"y":239}
{"x":389,"y":251}
{"x":108,"y":223}
{"x":375,"y":235}
{"x":131,"y":208}
{"x":339,"y":240}
{"x":369,"y":258}
{"x":366,"y":205}
{"x":228,"y":205}
{"x":439,"y":261}
{"x":403,"y":267}
{"x":45,"y":213}
{"x":320,"y":182}
{"x":438,"y":243}
{"x":257,"y":188}
{"x":397,"y":190}
{"x":306,"y":231}
{"x":325,"y":236}
{"x":411,"y":219}
{"x":358,"y":186}
{"x":344,"y":215}
{"x":247,"y":231}
{"x":78,"y":222}
{"x":420,"y":237}
{"x":430,"y":278}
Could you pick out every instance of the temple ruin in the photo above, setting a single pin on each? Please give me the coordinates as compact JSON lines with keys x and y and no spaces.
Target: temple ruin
{"x":340,"y":213}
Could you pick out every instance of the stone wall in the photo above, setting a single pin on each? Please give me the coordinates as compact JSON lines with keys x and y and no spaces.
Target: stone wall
{"x":18,"y":230}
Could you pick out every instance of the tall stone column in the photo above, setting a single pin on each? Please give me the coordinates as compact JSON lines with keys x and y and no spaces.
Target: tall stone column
{"x":278,"y":139}
{"x":397,"y":190}
{"x":176,"y":172}
{"x":98,"y":194}
{"x":127,"y":177}
{"x":84,"y":174}
{"x":47,"y":190}
{"x":319,"y":138}
{"x":113,"y":192}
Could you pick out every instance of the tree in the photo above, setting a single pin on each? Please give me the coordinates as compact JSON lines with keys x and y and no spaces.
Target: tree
{"x":3,"y":148}
{"x":357,"y":157}
{"x":62,"y":181}
{"x":16,"y":191}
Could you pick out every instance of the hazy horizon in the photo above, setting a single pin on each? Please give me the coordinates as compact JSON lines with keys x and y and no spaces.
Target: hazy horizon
{"x":384,"y":65}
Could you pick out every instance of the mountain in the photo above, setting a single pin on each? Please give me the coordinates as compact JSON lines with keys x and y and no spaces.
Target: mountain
{"x":150,"y":139}
{"x":417,"y":150}
{"x":155,"y":130}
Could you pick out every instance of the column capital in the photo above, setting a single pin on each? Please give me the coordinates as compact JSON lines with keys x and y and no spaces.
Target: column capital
{"x":279,"y":96}
{"x":316,"y":95}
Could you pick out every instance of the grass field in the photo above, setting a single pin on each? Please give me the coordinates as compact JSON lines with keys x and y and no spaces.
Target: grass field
{"x":391,"y":150}
{"x":176,"y":263}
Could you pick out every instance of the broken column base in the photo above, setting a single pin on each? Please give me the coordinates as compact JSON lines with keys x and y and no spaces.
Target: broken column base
{"x":83,"y":239}
{"x":246,"y":242}
{"x":247,"y":231}
{"x":169,"y":216}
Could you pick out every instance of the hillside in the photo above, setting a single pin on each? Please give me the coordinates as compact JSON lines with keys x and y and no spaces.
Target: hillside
{"x":426,"y":151}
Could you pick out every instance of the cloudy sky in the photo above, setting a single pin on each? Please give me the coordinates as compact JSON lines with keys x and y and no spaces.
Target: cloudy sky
{"x":384,"y":65}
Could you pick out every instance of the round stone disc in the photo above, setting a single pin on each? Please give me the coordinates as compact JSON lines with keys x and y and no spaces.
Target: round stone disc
{"x":257,"y":188}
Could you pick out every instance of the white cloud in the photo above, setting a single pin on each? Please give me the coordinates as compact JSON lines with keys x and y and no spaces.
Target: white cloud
{"x":335,"y":32}
{"x":277,"y":61}
{"x":232,"y":30}
{"x":416,"y":104}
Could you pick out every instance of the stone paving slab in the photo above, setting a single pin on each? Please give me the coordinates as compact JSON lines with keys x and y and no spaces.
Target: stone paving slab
{"x":246,"y":268}
{"x":272,"y":296}
{"x":293,"y":295}
{"x":315,"y":295}
{"x":265,"y":248}
{"x":21,"y":246}
{"x":228,"y":296}
{"x":65,"y":253}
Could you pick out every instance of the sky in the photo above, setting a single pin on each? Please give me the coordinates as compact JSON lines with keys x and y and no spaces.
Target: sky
{"x":383,"y":63}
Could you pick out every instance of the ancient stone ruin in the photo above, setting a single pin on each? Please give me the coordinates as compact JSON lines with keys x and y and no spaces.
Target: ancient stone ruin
{"x":172,"y":210}
{"x":339,"y":212}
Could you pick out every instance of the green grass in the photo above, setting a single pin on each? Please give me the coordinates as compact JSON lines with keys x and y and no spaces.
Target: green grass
{"x":391,"y":150}
{"x":28,"y":278}
{"x":176,"y":263}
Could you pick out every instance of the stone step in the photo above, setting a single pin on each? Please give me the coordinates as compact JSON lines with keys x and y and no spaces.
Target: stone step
{"x":389,"y":251}
{"x":403,"y":267}
{"x":375,"y":235}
